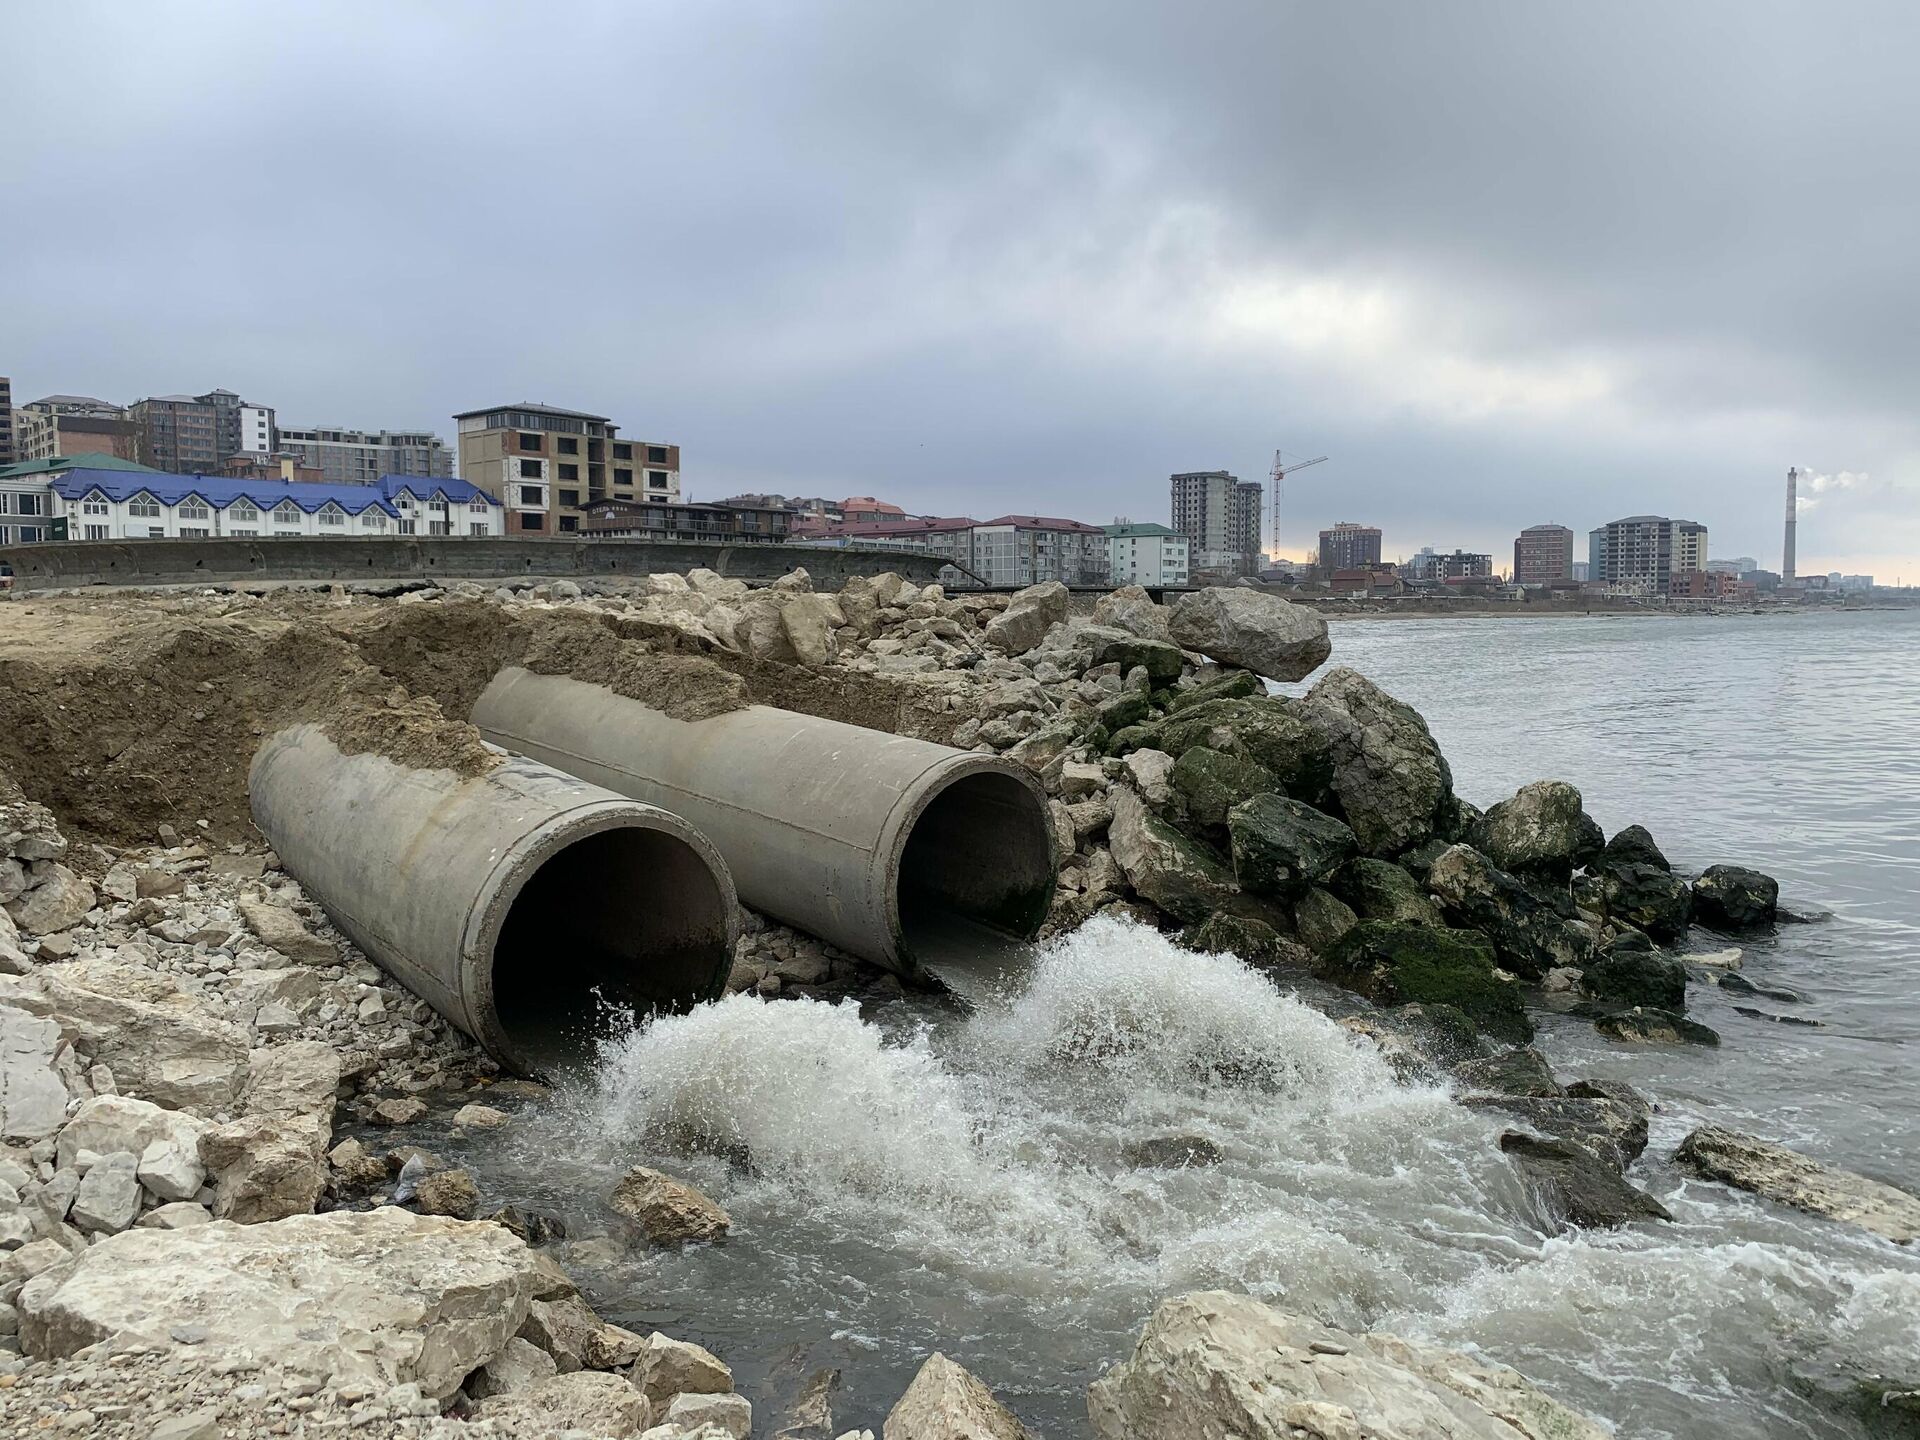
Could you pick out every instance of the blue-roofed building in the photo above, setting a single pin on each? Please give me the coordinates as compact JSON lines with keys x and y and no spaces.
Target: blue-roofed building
{"x":100,"y":504}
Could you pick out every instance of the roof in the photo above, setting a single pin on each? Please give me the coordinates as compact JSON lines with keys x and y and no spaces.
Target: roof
{"x":64,"y":463}
{"x":1043,"y":522}
{"x":220,"y":491}
{"x":867,"y":502}
{"x":72,"y":400}
{"x":530,"y":405}
{"x":920,"y":525}
{"x":1145,"y":527}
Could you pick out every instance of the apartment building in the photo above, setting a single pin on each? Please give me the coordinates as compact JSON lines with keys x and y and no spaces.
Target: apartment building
{"x":1348,"y":546}
{"x":1220,"y":514}
{"x":9,"y":453}
{"x":1148,"y":554}
{"x":1027,"y":549}
{"x":687,"y":520}
{"x":26,"y":493}
{"x":546,"y":464}
{"x":1543,"y":555}
{"x":1435,"y":565}
{"x":361,"y":457}
{"x":193,"y":434}
{"x":1642,"y":554}
{"x":57,"y":425}
{"x":118,"y":505}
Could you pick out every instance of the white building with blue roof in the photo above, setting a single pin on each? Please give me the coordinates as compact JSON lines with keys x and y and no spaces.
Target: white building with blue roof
{"x":118,"y":505}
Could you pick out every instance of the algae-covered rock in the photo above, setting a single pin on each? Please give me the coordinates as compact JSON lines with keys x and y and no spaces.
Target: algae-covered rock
{"x":1282,"y":847}
{"x":1731,"y":897}
{"x":1648,"y":1025}
{"x":1529,"y":937}
{"x":1251,"y":939}
{"x":1392,"y":783}
{"x":1211,"y":782}
{"x":1381,"y":890}
{"x":1632,"y":972}
{"x":1276,"y":733}
{"x":1320,"y":918}
{"x":1393,"y":963}
{"x":1174,"y":872}
{"x":1632,"y":846}
{"x":1522,"y":1070}
{"x":1542,"y":828}
{"x":1233,"y":685}
{"x":1647,"y":898}
{"x":1162,"y":662}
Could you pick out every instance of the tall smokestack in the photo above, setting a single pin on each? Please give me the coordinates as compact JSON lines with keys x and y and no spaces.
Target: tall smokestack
{"x":1786,"y":562}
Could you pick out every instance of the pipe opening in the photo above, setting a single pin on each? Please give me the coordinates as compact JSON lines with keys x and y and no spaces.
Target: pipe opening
{"x":608,"y":929}
{"x":979,"y":855}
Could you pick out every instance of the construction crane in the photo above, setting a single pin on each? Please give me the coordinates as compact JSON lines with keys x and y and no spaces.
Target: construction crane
{"x":1281,"y":469}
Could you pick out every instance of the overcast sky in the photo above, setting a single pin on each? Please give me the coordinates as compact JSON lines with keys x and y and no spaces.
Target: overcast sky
{"x":1504,"y":263}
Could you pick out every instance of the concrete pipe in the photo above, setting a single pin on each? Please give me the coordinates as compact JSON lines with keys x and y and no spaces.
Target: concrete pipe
{"x":522,"y":904}
{"x":874,"y":842}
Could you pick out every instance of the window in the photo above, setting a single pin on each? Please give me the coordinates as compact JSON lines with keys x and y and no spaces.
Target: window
{"x":530,"y":495}
{"x":29,"y":505}
{"x":477,"y":505}
{"x":194,"y":532}
{"x":656,"y":454}
{"x":656,"y":479}
{"x":285,"y":513}
{"x":96,"y":532}
{"x":94,"y":504}
{"x":145,"y":506}
{"x":373,"y":519}
{"x":156,"y":532}
{"x":243,"y":534}
{"x":30,"y":533}
{"x":240,"y":510}
{"x":569,"y":472}
{"x":529,"y":442}
{"x":478,"y":527}
{"x":192,"y":508}
{"x":439,"y":527}
{"x":622,"y":450}
{"x":569,"y":497}
{"x":568,"y":447}
{"x":333,"y":515}
{"x":530,"y":470}
{"x":405,"y":527}
{"x":623,"y":477}
{"x":533,"y":522}
{"x":569,"y":522}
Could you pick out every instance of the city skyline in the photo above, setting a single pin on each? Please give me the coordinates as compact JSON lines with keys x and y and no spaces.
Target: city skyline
{"x":856,"y":250}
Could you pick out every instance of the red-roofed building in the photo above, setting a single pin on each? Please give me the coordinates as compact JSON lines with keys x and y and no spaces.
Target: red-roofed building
{"x":1027,"y":549}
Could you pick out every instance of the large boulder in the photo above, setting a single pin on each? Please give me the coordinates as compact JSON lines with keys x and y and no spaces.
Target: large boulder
{"x":1283,"y":847}
{"x":1792,"y":1179}
{"x":1392,"y":783}
{"x":586,"y":1401}
{"x":1321,"y":918}
{"x":1131,"y":609}
{"x":1382,"y":890}
{"x":809,"y":621}
{"x":1238,"y":625}
{"x":1632,"y":972}
{"x":1393,"y":964}
{"x":33,"y":1092}
{"x":381,"y":1296}
{"x":1277,"y":733}
{"x":1211,"y":782}
{"x":158,"y":1041}
{"x":1613,"y":1125}
{"x":272,"y":1161}
{"x":1529,"y":936}
{"x":1542,"y":828}
{"x":1632,"y":846}
{"x":1215,"y":1364}
{"x":1162,"y":662}
{"x":1178,"y":874}
{"x":58,"y":901}
{"x":1578,"y":1185}
{"x":1028,"y":616}
{"x":1731,"y":897}
{"x":166,"y":1143}
{"x":668,"y":1211}
{"x":945,"y":1402}
{"x":1647,"y":898}
{"x":1228,"y":685}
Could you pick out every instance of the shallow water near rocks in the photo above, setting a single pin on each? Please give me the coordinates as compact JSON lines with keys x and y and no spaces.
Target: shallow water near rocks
{"x":931,"y":1177}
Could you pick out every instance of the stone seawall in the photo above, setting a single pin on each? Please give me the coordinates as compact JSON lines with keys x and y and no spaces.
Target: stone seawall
{"x":63,"y":564}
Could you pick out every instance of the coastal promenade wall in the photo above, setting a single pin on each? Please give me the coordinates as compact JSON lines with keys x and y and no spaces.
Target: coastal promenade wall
{"x":61,"y":564}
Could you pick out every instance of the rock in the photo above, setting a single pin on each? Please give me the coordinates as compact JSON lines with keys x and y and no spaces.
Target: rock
{"x":1632,"y":846}
{"x":1241,"y":626}
{"x":668,"y":1211}
{"x":667,"y":1367}
{"x":1393,"y":784}
{"x":1131,"y":609}
{"x":152,"y":884}
{"x":1647,"y":898}
{"x":1613,"y":1127}
{"x":1232,"y":685}
{"x":1217,"y":1365}
{"x":530,"y":1225}
{"x":1211,"y":782}
{"x":110,"y":1123}
{"x":13,"y":882}
{"x":176,"y":1215}
{"x":1393,"y":964}
{"x":517,"y":1367}
{"x":401,"y":1111}
{"x":282,"y":930}
{"x":1631,"y":972}
{"x":1172,"y":1152}
{"x":1529,"y":937}
{"x":1792,"y":1179}
{"x":1030,"y":613}
{"x":1162,"y":662}
{"x":170,"y":1167}
{"x":59,"y":901}
{"x":809,"y":621}
{"x":381,"y":1296}
{"x":1164,"y":866}
{"x":604,"y":1406}
{"x":728,"y":1413}
{"x":945,"y":1402}
{"x":108,"y":1199}
{"x":1275,"y":732}
{"x":295,"y":1079}
{"x":33,"y":1097}
{"x":1729,"y":897}
{"x":1382,"y":890}
{"x":354,"y":1169}
{"x":158,"y":1042}
{"x":266,"y":1167}
{"x":449,"y":1192}
{"x":1283,"y":847}
{"x":480,"y":1117}
{"x":1577,"y":1184}
{"x":1521,"y":1071}
{"x":1542,"y":828}
{"x":1151,"y":772}
{"x":1651,"y":1026}
{"x":1250,"y":939}
{"x":1321,"y":918}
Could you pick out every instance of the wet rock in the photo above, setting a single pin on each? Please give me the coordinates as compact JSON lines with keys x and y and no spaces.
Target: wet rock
{"x":58,"y":901}
{"x":280,"y":929}
{"x":1792,"y":1179}
{"x":1174,"y":872}
{"x":1632,"y":972}
{"x":480,"y":1117}
{"x":448,"y":1192}
{"x":1277,"y":733}
{"x":1131,"y":609}
{"x":1252,"y":940}
{"x":1218,"y":1364}
{"x":397,"y":1111}
{"x":668,"y":1211}
{"x":1542,"y":828}
{"x":532,"y":1226}
{"x":33,"y":1096}
{"x":1321,"y":918}
{"x":1729,"y":897}
{"x":667,"y":1367}
{"x":1211,"y":782}
{"x":945,"y":1402}
{"x":1520,"y":1071}
{"x":1529,"y":937}
{"x":1241,"y":626}
{"x":381,"y":1296}
{"x":599,"y":1404}
{"x":1028,"y":616}
{"x":1283,"y":847}
{"x":1382,"y":890}
{"x":1649,"y":1026}
{"x":1393,"y":964}
{"x":1579,"y":1185}
{"x":1393,"y":784}
{"x":1647,"y":898}
{"x":1632,"y":846}
{"x":1613,"y":1127}
{"x":1171,"y":1152}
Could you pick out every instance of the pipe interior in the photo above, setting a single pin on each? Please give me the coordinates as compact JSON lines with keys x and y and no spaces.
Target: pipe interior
{"x":616,"y":925}
{"x":980,"y":854}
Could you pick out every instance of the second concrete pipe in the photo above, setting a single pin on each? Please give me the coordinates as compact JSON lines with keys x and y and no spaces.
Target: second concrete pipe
{"x":873,"y":842}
